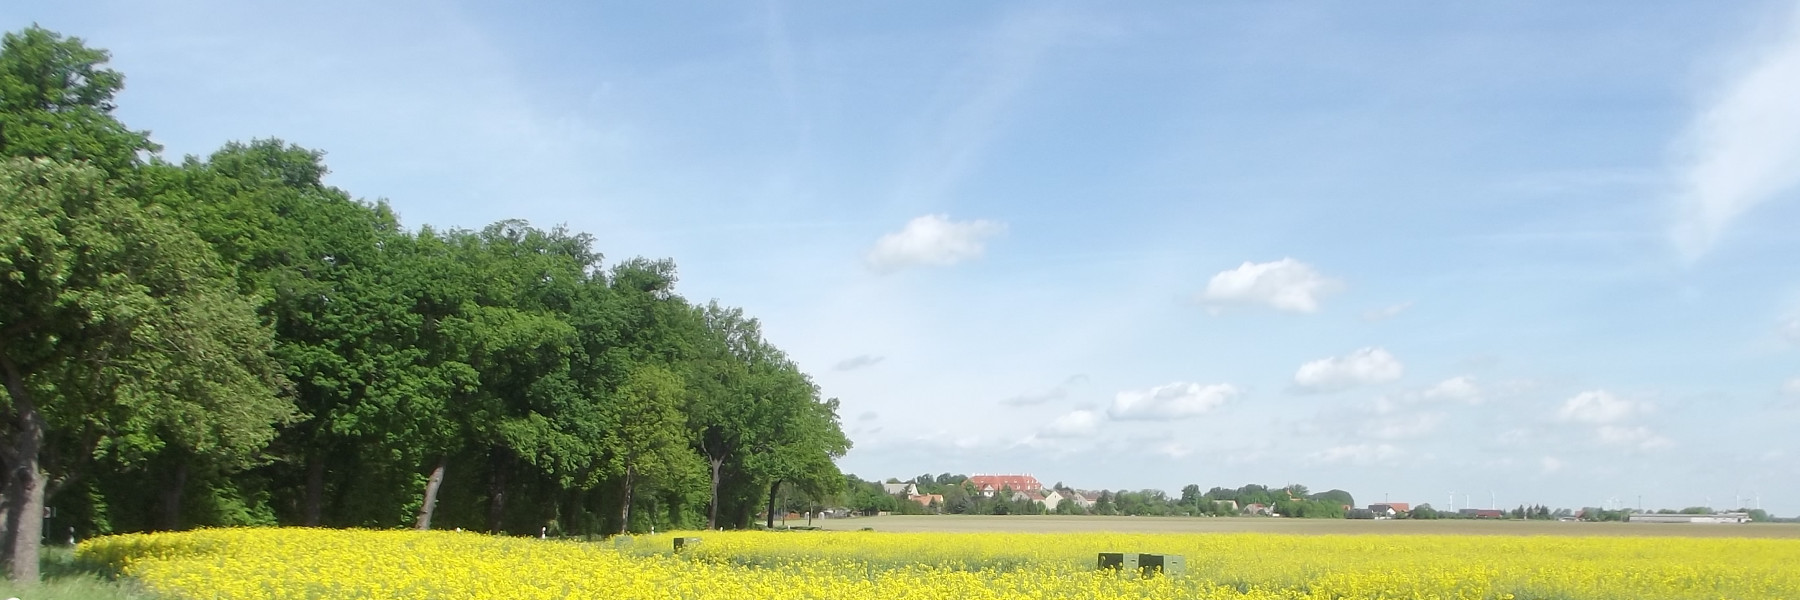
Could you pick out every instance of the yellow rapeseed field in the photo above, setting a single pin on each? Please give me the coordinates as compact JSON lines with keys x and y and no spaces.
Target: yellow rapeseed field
{"x":245,"y":564}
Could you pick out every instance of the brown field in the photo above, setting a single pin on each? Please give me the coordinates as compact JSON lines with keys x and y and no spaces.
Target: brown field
{"x":1063,"y":524}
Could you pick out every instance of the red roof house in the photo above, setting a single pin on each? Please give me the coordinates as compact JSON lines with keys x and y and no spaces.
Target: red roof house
{"x":988,"y":485}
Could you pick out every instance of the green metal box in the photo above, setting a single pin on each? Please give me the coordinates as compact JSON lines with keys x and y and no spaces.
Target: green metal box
{"x":1167,"y":564}
{"x":1119,"y":561}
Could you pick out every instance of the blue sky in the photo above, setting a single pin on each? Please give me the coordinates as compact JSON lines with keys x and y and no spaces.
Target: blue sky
{"x":1533,"y":252}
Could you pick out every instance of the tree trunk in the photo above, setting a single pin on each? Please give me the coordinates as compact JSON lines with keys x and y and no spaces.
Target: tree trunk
{"x":712,"y":519}
{"x":170,"y":498}
{"x":625,"y":509}
{"x":315,"y":489}
{"x":9,"y":514}
{"x":431,"y":492}
{"x":25,"y":486}
{"x":773,"y":487}
{"x":496,"y":492}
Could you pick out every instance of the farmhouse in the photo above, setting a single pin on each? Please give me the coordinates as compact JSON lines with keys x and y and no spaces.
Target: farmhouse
{"x":1726,"y":518}
{"x":925,"y":500}
{"x":1084,"y":499}
{"x":1258,"y":509}
{"x":1389,"y":510}
{"x":988,"y":485}
{"x":901,"y":489}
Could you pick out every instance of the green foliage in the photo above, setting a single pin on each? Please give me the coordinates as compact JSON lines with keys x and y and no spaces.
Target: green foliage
{"x":56,"y":102}
{"x":1338,"y":496}
{"x":230,"y":341}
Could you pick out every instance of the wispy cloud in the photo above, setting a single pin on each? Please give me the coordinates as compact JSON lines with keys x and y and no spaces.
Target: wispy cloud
{"x":1059,"y":392}
{"x":857,"y":362}
{"x":1174,"y":449}
{"x":1363,"y":367}
{"x":1551,"y":464}
{"x":779,"y":47}
{"x":1744,"y":146}
{"x":1285,"y":284}
{"x":1639,"y":437}
{"x":1460,"y":389}
{"x":1401,"y":427}
{"x":932,"y":240}
{"x":972,"y":102}
{"x":1386,"y":312}
{"x":1597,"y":406}
{"x":1359,"y":454}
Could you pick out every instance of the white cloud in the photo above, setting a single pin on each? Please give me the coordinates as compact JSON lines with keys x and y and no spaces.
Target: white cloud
{"x":1074,"y":424}
{"x":1460,"y":389}
{"x":1551,"y":464}
{"x":1792,"y":387}
{"x":1639,"y":437}
{"x":1597,"y":406}
{"x":1362,"y":367}
{"x":1386,"y":312}
{"x":932,"y":240}
{"x":1177,"y":400}
{"x":857,"y":362}
{"x":1790,"y":329}
{"x":1744,"y":146}
{"x":1286,"y":284}
{"x":1360,"y":454}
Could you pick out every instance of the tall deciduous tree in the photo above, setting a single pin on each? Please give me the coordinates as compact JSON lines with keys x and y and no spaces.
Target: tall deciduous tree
{"x":648,"y":439}
{"x":122,"y":326}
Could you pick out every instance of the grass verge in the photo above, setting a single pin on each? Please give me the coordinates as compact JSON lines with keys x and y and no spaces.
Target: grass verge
{"x":64,"y":579}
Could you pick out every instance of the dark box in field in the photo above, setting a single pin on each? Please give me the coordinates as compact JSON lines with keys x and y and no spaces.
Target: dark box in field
{"x":1147,"y":564}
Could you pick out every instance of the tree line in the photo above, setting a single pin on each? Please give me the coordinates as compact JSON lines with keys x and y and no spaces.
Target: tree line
{"x":960,"y":497}
{"x":228,"y":340}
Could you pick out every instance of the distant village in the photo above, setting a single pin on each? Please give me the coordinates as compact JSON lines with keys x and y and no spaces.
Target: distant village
{"x":1000,"y":494}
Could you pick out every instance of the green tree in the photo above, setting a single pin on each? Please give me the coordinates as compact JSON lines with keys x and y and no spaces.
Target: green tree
{"x":1190,"y":495}
{"x":800,"y":440}
{"x":1339,"y":496}
{"x":119,"y":328}
{"x":327,"y":270}
{"x":648,"y":441}
{"x":56,"y":101}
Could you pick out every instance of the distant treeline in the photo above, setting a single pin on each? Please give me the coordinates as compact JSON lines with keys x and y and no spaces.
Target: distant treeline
{"x":229,"y":341}
{"x":961,"y":498}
